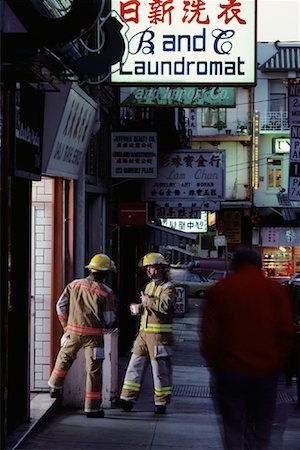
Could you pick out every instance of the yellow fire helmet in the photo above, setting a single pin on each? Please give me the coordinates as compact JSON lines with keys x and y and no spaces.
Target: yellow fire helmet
{"x":152,"y":259}
{"x":101,"y":262}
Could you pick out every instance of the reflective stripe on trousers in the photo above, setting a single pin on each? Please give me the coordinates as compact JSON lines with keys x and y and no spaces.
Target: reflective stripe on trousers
{"x":162,"y":378}
{"x":93,"y":360}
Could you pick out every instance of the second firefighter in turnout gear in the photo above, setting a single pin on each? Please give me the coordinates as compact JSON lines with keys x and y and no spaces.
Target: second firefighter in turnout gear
{"x":85,"y":308}
{"x":155,"y":339}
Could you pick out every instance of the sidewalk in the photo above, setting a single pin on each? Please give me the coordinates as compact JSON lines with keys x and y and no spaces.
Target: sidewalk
{"x":191,"y":421}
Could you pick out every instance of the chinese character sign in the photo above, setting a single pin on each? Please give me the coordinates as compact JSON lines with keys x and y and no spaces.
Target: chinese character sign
{"x":187,"y":225}
{"x":187,"y":41}
{"x":133,"y":155}
{"x":73,"y":134}
{"x":188,"y":174}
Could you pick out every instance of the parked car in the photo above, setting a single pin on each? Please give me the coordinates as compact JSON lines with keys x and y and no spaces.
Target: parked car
{"x":197,"y":285}
{"x":217,"y":275}
{"x":293,"y":280}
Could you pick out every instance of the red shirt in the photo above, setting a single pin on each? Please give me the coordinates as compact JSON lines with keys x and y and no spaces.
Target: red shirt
{"x":247,"y":324}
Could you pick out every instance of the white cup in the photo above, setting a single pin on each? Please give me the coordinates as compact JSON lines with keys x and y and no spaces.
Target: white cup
{"x":134,"y":308}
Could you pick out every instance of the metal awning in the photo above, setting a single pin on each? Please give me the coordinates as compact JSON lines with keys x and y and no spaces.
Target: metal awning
{"x":167,"y":236}
{"x":287,"y":58}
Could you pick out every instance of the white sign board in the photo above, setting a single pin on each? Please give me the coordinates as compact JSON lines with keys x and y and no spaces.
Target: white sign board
{"x":188,"y":174}
{"x":133,"y":154}
{"x":187,"y":42}
{"x":274,"y":237}
{"x":188,"y":225}
{"x":220,"y":241}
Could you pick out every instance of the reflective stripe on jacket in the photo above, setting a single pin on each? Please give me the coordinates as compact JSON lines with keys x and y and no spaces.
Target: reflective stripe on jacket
{"x":157,"y":315}
{"x":86,"y":307}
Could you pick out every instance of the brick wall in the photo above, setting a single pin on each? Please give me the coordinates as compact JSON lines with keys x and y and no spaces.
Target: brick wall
{"x":41,"y":276}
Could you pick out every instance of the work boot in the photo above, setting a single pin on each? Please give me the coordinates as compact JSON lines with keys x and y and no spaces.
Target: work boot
{"x":160,"y":409}
{"x":126,"y":405}
{"x":55,"y":393}
{"x":95,"y":414}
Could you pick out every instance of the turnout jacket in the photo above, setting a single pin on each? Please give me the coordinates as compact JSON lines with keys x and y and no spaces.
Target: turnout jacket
{"x":86,"y":307}
{"x":157,"y":313}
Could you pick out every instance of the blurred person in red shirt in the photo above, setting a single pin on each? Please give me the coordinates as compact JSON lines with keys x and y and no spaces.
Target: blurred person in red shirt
{"x":247,"y":333}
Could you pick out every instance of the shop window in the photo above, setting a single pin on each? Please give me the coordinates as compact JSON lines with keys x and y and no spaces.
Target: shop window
{"x":214,"y":117}
{"x":277,"y":262}
{"x":297,"y":259}
{"x":274,"y":176}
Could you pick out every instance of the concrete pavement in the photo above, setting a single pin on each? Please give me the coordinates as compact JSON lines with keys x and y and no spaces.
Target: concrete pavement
{"x":191,"y":421}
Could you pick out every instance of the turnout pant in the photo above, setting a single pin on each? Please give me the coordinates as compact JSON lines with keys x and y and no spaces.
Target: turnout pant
{"x":94,"y":355}
{"x":157,"y":349}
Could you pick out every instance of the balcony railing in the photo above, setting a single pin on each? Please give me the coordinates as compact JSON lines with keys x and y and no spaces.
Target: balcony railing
{"x":273,"y":121}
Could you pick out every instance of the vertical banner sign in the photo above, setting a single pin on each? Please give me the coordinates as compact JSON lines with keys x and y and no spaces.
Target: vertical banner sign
{"x":294,"y":121}
{"x":73,"y":134}
{"x":209,"y":42}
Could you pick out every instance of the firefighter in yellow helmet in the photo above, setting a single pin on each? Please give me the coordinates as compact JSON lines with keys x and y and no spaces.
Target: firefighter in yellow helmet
{"x":155,"y":339}
{"x":85,"y":308}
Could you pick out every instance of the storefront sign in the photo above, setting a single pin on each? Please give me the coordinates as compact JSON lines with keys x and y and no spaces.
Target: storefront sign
{"x":187,"y":174}
{"x":274,"y":237}
{"x":68,"y":125}
{"x":185,"y":209}
{"x":28,"y":132}
{"x":133,"y":155}
{"x":177,"y":96}
{"x":281,"y":145}
{"x":203,"y":43}
{"x":187,"y":225}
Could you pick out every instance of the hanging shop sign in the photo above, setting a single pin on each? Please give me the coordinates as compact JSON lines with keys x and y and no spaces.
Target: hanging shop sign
{"x":178,"y":96}
{"x":186,"y":209}
{"x":186,"y":175}
{"x":68,"y":124}
{"x":187,"y":225}
{"x":133,"y":155}
{"x":28,"y":132}
{"x":281,"y":145}
{"x":274,"y":237}
{"x":200,"y":43}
